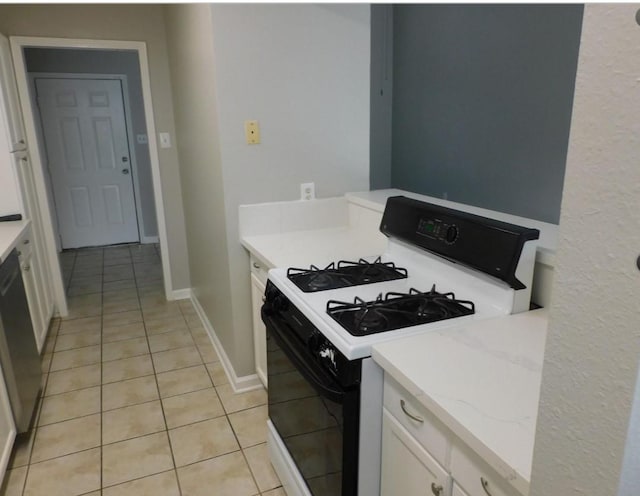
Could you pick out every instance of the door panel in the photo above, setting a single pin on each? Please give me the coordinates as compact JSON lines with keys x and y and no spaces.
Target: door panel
{"x":83,"y":122}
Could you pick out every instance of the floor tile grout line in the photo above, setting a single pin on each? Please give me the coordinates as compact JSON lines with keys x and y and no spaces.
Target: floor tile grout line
{"x":144,"y":287}
{"x":101,"y":377}
{"x":164,"y":417}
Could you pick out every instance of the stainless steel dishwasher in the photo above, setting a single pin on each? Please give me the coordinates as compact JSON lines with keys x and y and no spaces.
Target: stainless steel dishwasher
{"x":19,"y":355}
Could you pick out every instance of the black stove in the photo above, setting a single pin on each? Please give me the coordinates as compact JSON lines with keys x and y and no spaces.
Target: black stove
{"x":344,"y":274}
{"x":397,"y":310}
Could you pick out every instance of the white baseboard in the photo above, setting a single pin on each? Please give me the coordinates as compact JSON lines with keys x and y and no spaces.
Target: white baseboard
{"x":145,"y":240}
{"x":180,"y":294}
{"x":239,"y":384}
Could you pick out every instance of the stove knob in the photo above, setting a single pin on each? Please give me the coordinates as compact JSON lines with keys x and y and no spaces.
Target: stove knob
{"x":451,"y":235}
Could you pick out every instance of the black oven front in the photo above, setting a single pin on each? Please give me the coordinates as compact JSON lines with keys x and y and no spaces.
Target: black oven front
{"x":314,"y":399}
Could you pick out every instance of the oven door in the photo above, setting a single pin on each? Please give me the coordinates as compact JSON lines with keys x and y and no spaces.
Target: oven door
{"x":316,"y":418}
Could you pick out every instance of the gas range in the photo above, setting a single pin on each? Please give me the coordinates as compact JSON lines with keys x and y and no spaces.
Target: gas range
{"x":441,"y":268}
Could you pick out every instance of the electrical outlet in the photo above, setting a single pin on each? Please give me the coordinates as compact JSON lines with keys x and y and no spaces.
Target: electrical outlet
{"x":252,"y":132}
{"x":307,"y":191}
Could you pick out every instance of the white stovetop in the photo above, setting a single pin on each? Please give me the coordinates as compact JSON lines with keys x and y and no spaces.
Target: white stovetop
{"x":482,"y":380}
{"x":490,"y":297}
{"x":10,"y":233}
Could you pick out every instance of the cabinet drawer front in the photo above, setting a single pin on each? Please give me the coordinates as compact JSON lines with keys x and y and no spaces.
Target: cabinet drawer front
{"x":421,"y":424}
{"x":407,"y":468}
{"x":475,"y":476}
{"x":259,"y":269}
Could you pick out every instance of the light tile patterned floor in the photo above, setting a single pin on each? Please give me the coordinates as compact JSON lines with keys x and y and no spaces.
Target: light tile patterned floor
{"x":135,"y":399}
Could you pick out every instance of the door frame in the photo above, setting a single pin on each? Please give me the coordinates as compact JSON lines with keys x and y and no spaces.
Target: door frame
{"x":18,"y":44}
{"x":32,"y":76}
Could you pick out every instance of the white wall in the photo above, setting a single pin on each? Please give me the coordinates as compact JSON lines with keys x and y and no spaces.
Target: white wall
{"x":303,"y":72}
{"x":592,"y":348}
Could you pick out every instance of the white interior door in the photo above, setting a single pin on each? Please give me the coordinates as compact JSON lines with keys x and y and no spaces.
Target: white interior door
{"x":85,"y":134}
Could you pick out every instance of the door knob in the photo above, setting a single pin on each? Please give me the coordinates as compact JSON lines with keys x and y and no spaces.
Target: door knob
{"x":125,"y":171}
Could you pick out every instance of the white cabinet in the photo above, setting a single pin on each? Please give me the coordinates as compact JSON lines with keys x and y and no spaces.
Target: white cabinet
{"x":258,"y":284}
{"x":30,"y":267}
{"x":457,"y":491}
{"x":7,"y":427}
{"x":421,"y":456}
{"x":11,"y":102}
{"x":41,"y":304}
{"x":475,"y":476}
{"x":407,"y":468}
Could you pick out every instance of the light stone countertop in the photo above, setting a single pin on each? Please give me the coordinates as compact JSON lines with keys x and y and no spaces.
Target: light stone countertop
{"x":10,"y":234}
{"x":317,"y":246}
{"x":482,"y":380}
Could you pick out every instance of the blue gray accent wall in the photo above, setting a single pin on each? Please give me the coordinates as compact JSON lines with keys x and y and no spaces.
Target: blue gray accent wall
{"x":381,"y":96}
{"x":482,"y":99}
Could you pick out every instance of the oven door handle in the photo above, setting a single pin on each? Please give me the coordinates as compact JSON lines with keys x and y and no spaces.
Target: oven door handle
{"x":317,"y":377}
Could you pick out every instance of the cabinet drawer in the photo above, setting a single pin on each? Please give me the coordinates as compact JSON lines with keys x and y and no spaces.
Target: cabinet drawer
{"x":407,"y":468}
{"x":259,"y":269}
{"x":424,"y":427}
{"x":475,"y":476}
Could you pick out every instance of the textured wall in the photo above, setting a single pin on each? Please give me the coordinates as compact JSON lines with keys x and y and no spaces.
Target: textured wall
{"x":593,"y":344}
{"x":482,"y":100}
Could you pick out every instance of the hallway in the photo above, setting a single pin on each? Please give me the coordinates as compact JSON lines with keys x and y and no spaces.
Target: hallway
{"x":136,"y":401}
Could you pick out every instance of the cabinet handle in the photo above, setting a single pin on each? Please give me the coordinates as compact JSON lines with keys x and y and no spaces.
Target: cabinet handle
{"x":255,"y":265}
{"x":414,"y":417}
{"x":437,"y":490}
{"x":485,"y":485}
{"x":26,"y":268}
{"x":26,"y":242}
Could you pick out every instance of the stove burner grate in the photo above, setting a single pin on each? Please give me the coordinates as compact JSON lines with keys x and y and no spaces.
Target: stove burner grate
{"x":344,"y":274}
{"x":397,"y":310}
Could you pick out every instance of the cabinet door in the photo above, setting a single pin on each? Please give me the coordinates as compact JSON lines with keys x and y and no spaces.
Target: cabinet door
{"x":457,"y":490}
{"x":7,"y":427}
{"x":407,"y":468}
{"x":259,"y":331}
{"x":39,"y":269}
{"x":15,"y":126}
{"x":29,"y":268}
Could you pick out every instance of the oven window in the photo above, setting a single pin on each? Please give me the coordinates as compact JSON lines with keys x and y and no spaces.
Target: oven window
{"x":310,"y":424}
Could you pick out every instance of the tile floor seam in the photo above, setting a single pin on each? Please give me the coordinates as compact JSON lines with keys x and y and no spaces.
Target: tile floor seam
{"x":164,"y":416}
{"x":148,"y":288}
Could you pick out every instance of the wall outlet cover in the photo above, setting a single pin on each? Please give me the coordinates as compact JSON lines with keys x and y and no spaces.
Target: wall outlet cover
{"x":307,"y":191}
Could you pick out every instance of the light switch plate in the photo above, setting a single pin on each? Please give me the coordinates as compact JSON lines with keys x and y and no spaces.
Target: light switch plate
{"x":252,"y":132}
{"x":165,"y":140}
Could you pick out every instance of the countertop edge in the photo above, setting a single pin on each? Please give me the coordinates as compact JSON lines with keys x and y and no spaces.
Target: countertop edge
{"x":10,"y":234}
{"x":509,"y":474}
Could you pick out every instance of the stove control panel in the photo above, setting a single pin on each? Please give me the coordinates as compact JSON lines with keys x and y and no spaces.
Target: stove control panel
{"x":438,"y":229}
{"x":484,"y":244}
